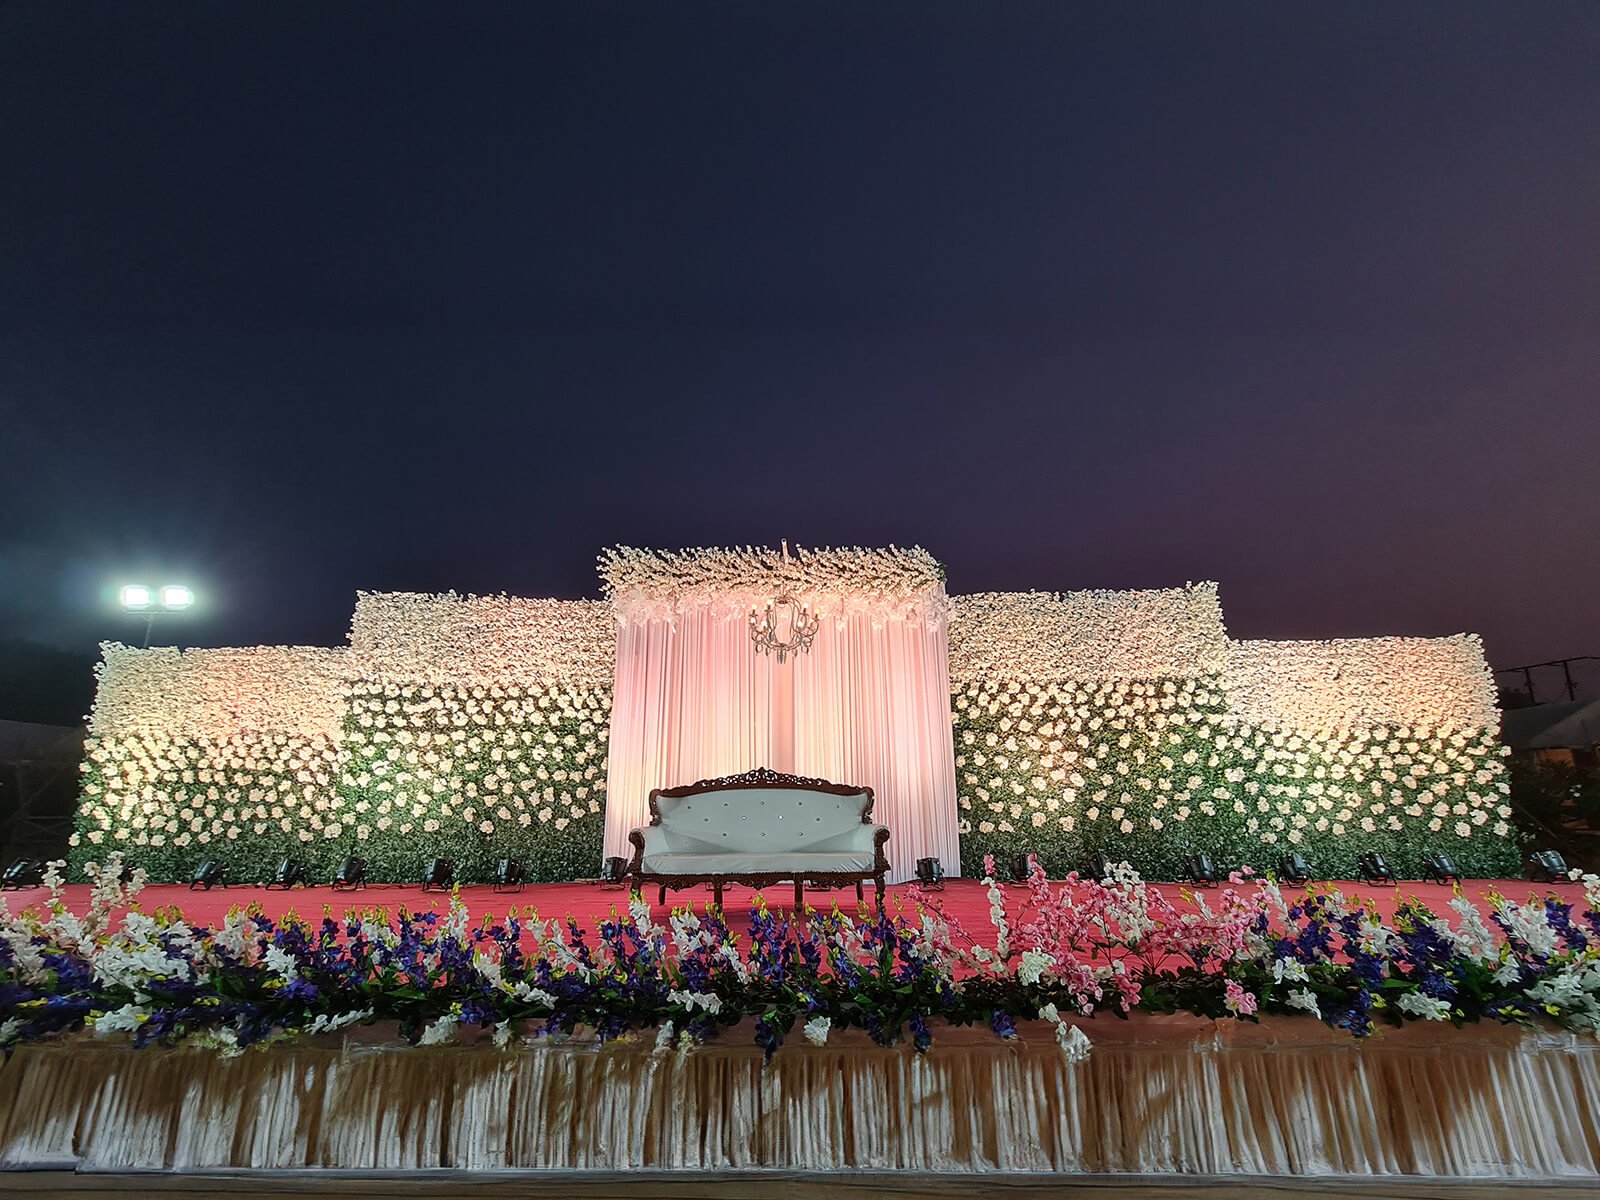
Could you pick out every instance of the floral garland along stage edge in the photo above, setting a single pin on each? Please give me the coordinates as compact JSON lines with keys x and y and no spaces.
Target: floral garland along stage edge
{"x":1053,"y":953}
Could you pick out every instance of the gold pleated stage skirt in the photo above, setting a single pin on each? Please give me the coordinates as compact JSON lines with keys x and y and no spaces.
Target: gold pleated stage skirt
{"x":1170,"y":1095}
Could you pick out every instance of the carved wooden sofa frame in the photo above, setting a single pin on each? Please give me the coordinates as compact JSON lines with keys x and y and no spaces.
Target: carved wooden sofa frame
{"x":761,"y":778}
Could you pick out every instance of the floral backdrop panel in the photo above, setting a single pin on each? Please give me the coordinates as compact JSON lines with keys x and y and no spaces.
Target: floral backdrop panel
{"x":483,"y":639}
{"x":1389,"y":745}
{"x":1170,"y":633}
{"x":227,"y":754}
{"x":473,"y":728}
{"x":1126,"y":724}
{"x":475,"y":773}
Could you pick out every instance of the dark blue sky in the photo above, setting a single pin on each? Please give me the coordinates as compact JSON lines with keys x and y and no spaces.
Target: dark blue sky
{"x":297,"y":299}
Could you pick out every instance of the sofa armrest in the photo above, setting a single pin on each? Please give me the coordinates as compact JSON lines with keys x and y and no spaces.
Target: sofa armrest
{"x":880,"y":837}
{"x":649,"y":837}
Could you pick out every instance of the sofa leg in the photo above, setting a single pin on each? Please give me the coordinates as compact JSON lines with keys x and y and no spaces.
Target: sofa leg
{"x":860,"y":895}
{"x":716,"y":894}
{"x":799,"y":896}
{"x":880,"y":893}
{"x":663,"y":898}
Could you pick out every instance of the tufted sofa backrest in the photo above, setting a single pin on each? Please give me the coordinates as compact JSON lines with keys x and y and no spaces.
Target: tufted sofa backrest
{"x":765,"y":820}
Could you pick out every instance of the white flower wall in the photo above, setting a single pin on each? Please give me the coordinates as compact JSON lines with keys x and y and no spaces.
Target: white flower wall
{"x":476,"y":773}
{"x":479,"y":731}
{"x":483,"y":639}
{"x":1331,"y":687}
{"x":470,"y":727}
{"x":226,"y":754}
{"x":1172,"y":633}
{"x":1117,"y":722}
{"x":1127,"y":724}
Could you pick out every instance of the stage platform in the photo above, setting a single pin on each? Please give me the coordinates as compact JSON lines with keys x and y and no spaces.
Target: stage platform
{"x":745,"y":1185}
{"x":1165,"y":1102}
{"x":1158,"y":1095}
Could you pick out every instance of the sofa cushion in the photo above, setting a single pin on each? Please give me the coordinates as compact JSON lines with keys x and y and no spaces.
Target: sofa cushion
{"x":749,"y":863}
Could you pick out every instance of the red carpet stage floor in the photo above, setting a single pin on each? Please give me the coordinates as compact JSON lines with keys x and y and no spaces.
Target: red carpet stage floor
{"x":589,"y":903}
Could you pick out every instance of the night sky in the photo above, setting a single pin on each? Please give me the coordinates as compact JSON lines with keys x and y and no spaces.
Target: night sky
{"x":297,"y":299}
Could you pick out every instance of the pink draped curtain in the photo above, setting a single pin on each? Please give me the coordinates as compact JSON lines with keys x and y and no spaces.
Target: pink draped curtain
{"x":872,"y":706}
{"x":869,"y":704}
{"x":692,"y":700}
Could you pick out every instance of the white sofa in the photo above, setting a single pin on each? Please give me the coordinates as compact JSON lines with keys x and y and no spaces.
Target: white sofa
{"x":759,"y":828}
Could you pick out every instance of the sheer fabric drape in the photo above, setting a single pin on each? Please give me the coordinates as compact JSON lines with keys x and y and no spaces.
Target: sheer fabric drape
{"x":692,"y":701}
{"x":869,"y":704}
{"x":872,"y":706}
{"x":1285,"y":1098}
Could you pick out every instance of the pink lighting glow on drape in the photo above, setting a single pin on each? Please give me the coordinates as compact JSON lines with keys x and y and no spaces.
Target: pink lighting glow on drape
{"x":869,"y":704}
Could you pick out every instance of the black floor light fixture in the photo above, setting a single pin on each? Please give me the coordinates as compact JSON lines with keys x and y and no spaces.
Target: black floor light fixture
{"x":1201,"y":870}
{"x":208,"y":874}
{"x":288,"y":874}
{"x":352,"y":874}
{"x":1547,"y":866}
{"x":24,"y":873}
{"x":510,"y":874}
{"x":1022,"y":866}
{"x":930,"y":874}
{"x":1375,"y":868}
{"x":440,"y":875}
{"x":1440,"y":868}
{"x":1293,"y":868}
{"x":613,"y":872}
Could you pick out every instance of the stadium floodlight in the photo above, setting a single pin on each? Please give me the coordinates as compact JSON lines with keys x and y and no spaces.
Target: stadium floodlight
{"x":150,"y":603}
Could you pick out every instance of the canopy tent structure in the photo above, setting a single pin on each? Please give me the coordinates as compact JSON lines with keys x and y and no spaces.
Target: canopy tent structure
{"x":867,"y":704}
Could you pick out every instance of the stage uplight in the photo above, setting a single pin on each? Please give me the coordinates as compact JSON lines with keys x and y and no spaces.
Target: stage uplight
{"x":930,"y":874}
{"x":1440,"y":868}
{"x":510,"y":874}
{"x":1022,"y":866}
{"x":288,"y":874}
{"x":439,"y":875}
{"x":1547,"y":866}
{"x":135,"y":597}
{"x":175,"y":597}
{"x":1293,"y":869}
{"x":352,"y":874}
{"x":1375,"y":868}
{"x":208,"y":875}
{"x":24,"y":873}
{"x":1201,"y":870}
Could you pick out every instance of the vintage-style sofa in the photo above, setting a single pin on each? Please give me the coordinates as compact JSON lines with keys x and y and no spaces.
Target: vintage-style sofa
{"x":759,"y":828}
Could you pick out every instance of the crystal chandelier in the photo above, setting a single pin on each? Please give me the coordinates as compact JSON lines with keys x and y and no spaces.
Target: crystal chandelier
{"x":783,"y":627}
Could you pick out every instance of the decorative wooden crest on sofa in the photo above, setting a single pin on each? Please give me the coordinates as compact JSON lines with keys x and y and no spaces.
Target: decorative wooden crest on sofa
{"x":762,"y":777}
